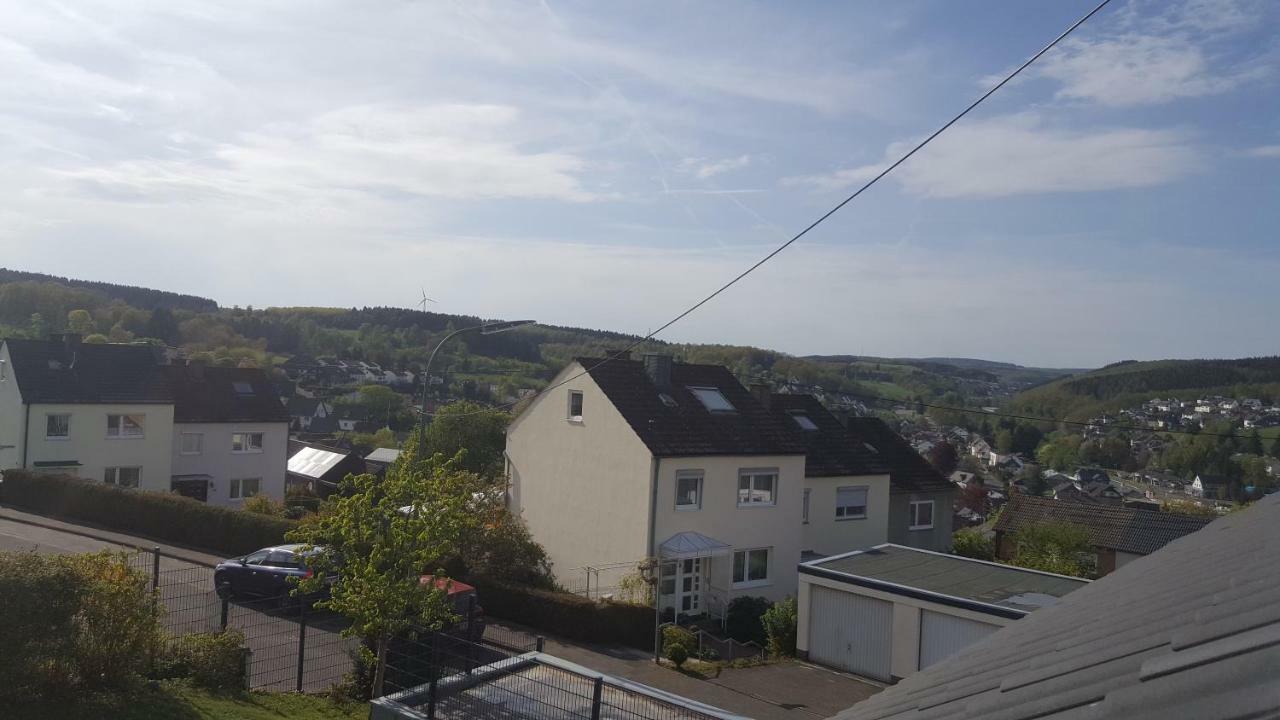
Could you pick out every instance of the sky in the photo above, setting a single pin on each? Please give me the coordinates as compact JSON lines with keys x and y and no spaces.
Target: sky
{"x":607,"y":166}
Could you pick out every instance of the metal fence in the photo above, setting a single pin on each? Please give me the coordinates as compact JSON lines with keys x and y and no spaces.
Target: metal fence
{"x":290,"y":646}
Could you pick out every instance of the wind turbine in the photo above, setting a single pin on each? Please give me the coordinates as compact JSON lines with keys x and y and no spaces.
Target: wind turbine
{"x":423,"y":302}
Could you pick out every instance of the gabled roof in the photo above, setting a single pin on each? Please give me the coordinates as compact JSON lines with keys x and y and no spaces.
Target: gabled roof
{"x":830,"y":449}
{"x":686,"y":428}
{"x":223,"y":394}
{"x":909,"y":473}
{"x":315,"y":462}
{"x":47,"y":372}
{"x":1115,"y":527}
{"x":1192,"y":631}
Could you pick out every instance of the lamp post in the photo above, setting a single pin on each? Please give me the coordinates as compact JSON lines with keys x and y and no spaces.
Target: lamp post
{"x":484,"y":329}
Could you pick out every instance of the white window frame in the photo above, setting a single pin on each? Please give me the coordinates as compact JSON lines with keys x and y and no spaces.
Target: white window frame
{"x":695,"y":475}
{"x":236,"y":488}
{"x":247,"y":447}
{"x":804,"y":506}
{"x":114,"y":473}
{"x":754,"y":473}
{"x":714,"y":392}
{"x":866,"y":502}
{"x":746,"y":582}
{"x":182,"y":443}
{"x":911,"y":520}
{"x":57,"y":438}
{"x":581,"y":404}
{"x":139,"y":419}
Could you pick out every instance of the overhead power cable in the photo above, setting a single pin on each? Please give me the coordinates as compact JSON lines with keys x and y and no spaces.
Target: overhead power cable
{"x":626,"y":351}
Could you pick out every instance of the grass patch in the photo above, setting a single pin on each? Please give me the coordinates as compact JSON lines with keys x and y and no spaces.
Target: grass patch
{"x":180,"y":701}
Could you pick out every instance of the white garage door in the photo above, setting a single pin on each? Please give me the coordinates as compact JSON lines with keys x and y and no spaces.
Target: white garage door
{"x":850,"y":632}
{"x":942,"y":636}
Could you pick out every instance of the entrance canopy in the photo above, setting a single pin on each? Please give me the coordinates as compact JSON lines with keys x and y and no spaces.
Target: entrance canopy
{"x":686,"y":545}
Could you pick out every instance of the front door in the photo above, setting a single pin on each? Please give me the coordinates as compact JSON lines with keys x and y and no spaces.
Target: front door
{"x":195,"y":489}
{"x":689,"y":583}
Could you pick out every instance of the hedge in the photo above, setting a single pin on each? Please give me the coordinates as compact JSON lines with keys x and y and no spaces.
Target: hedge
{"x":567,"y":615}
{"x":165,"y":517}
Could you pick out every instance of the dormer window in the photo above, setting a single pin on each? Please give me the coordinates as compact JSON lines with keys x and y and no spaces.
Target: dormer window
{"x":712,"y":399}
{"x":243,"y":389}
{"x":803,"y":421}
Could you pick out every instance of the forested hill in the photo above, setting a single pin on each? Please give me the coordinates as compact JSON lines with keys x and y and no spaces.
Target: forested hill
{"x":139,"y":297}
{"x":1129,"y":383}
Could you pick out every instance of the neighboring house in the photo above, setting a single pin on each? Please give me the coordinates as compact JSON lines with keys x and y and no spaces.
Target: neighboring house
{"x":889,"y":611}
{"x":230,"y":436}
{"x":1119,"y":535}
{"x":1089,"y":476}
{"x":304,"y":411}
{"x":864,"y":484}
{"x":380,"y":459}
{"x":1189,"y":632}
{"x":627,"y":460}
{"x":1212,"y":487}
{"x":100,"y":411}
{"x":320,"y":469}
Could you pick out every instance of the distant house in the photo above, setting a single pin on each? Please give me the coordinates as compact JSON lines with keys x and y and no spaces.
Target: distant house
{"x":1118,"y":535}
{"x":1213,"y":487}
{"x":380,"y":459}
{"x":1089,"y":476}
{"x":304,"y":410}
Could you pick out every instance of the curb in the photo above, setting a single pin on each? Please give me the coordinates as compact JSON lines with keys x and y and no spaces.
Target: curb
{"x":72,"y":529}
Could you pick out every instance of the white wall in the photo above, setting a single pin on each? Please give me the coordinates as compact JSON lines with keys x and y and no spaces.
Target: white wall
{"x":775,"y":526}
{"x":89,"y":444}
{"x":828,"y":535}
{"x":582,"y":487}
{"x":217,"y":460}
{"x":12,"y":429}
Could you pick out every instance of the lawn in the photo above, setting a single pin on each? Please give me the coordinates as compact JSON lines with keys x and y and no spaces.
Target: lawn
{"x":176,"y":701}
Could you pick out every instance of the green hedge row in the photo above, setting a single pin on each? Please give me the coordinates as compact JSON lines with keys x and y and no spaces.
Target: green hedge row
{"x":567,"y":615}
{"x":160,"y":516}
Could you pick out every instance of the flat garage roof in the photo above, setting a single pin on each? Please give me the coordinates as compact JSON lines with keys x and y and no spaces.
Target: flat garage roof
{"x":934,"y":576}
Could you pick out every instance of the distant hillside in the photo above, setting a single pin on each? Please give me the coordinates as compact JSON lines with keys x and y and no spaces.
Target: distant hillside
{"x":139,"y":297}
{"x":1129,"y":383}
{"x":1007,"y":377}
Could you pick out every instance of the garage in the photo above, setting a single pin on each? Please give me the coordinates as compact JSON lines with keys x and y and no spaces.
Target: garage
{"x":888,"y":611}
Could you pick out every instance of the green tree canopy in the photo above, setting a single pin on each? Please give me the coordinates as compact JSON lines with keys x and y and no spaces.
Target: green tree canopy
{"x":1054,"y":546}
{"x":476,"y":429}
{"x":81,"y":322}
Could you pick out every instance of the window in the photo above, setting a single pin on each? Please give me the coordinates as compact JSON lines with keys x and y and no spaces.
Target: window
{"x":282,"y":559}
{"x":803,"y":421}
{"x":57,"y":427}
{"x":257,"y":558}
{"x":712,"y":399}
{"x":243,"y":389}
{"x":688,"y":490}
{"x":246,"y":442}
{"x":192,"y":443}
{"x":244,"y":487}
{"x":804,"y":507}
{"x":126,"y":477}
{"x":851,"y":503}
{"x":125,"y":426}
{"x":751,"y":567}
{"x":921,"y":514}
{"x":667,"y":578}
{"x":757,"y":487}
{"x":575,"y":405}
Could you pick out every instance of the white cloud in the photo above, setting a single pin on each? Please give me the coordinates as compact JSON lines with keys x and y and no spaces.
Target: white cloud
{"x":1134,"y":70}
{"x":1019,"y":155}
{"x":703,"y":168}
{"x":1265,"y":151}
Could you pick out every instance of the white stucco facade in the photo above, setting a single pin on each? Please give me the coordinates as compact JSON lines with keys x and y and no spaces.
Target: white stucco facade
{"x":217,"y":459}
{"x":89,"y":443}
{"x":825,"y":533}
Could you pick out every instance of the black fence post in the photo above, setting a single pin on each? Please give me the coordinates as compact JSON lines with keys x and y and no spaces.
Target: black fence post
{"x":302,"y":640}
{"x":226,"y":609}
{"x":595,"y":698}
{"x":155,"y":567}
{"x":537,"y":643}
{"x":435,"y":674}
{"x":471,"y":637}
{"x":155,"y":602}
{"x":431,"y":699}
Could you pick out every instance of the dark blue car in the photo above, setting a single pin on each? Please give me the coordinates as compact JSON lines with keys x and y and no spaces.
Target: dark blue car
{"x":263,"y":573}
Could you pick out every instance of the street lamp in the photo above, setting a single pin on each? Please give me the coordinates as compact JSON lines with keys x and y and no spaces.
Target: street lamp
{"x":484,"y":329}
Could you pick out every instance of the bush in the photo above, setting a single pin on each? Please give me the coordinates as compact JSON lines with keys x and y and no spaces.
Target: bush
{"x":780,"y":627}
{"x":742,"y":619}
{"x":83,"y":622}
{"x":263,"y":505}
{"x":567,"y":615}
{"x":973,"y":543}
{"x":673,"y":635}
{"x":677,"y":654}
{"x":162,"y":516}
{"x":211,"y":660}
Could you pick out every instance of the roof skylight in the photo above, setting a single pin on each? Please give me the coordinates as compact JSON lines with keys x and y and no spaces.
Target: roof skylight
{"x":712,"y":399}
{"x":804,"y":421}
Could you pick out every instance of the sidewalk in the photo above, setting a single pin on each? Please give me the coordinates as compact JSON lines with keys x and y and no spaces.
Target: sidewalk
{"x":98,"y":533}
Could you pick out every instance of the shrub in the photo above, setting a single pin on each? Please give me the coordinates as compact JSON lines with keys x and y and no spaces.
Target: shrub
{"x":1054,"y":546}
{"x":567,"y":615}
{"x":973,"y":543}
{"x":742,"y":619}
{"x":673,"y":635}
{"x":211,"y":660}
{"x":780,"y":627}
{"x":39,"y":600}
{"x":263,"y":505}
{"x":677,"y":654}
{"x":162,"y":516}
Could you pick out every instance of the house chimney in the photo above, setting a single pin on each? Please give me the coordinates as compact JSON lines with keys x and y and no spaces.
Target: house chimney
{"x":763,"y":393}
{"x":195,"y":368}
{"x":658,"y":368}
{"x":70,"y":347}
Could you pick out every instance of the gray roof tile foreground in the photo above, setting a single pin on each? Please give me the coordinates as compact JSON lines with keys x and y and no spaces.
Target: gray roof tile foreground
{"x":1127,"y":529}
{"x":954,"y":576}
{"x":1191,"y":631}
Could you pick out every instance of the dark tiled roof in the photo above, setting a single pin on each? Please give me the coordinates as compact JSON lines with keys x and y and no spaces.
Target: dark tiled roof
{"x":688,"y":428}
{"x":98,"y":374}
{"x":830,"y":451}
{"x":1192,"y":631}
{"x":1126,"y":529}
{"x":303,"y":406}
{"x":210,"y":395}
{"x":909,"y":472}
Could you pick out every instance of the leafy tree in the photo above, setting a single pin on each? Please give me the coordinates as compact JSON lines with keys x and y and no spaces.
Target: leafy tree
{"x":1253,"y":443}
{"x":81,"y":322}
{"x":1004,"y":440}
{"x":162,"y":326}
{"x":1275,"y":446}
{"x":943,"y":458}
{"x":95,"y":339}
{"x":780,"y":627}
{"x":37,"y":327}
{"x":1025,"y":439}
{"x":1060,"y":453}
{"x":973,"y":543}
{"x":377,"y":555}
{"x":1054,"y":546}
{"x":475,"y":429}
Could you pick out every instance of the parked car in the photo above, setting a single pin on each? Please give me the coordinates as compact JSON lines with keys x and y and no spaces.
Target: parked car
{"x":263,"y":573}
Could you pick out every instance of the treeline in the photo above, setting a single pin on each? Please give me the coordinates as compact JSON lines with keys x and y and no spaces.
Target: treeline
{"x":136,"y":296}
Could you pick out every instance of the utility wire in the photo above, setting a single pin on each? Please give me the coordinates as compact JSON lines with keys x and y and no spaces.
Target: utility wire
{"x":625,"y":352}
